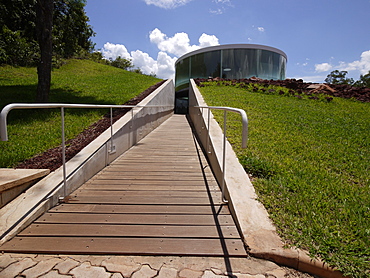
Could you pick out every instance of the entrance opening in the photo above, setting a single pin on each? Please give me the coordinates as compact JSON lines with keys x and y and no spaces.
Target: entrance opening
{"x":182,"y":101}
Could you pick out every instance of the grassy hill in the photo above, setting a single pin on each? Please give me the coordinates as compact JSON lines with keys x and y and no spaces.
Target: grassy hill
{"x":78,"y":81}
{"x":310,"y":162}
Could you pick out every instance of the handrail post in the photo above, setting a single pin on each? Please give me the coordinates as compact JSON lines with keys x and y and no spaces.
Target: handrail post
{"x":112,"y":147}
{"x":208,"y":130}
{"x":244,"y":137}
{"x":64,"y":155}
{"x":224,"y":159}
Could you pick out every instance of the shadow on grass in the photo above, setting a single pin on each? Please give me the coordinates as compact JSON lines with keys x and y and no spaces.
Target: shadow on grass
{"x":27,"y":94}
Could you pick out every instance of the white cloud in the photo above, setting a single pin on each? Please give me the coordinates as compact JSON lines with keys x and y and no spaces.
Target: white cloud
{"x":222,"y":1}
{"x":208,"y":40}
{"x":261,"y":29}
{"x":111,"y":50}
{"x":217,"y":11}
{"x":312,"y":78}
{"x":164,"y":66}
{"x":179,"y":44}
{"x":362,"y":65}
{"x":221,"y":5}
{"x":144,"y":62}
{"x":323,"y":67}
{"x":167,"y":4}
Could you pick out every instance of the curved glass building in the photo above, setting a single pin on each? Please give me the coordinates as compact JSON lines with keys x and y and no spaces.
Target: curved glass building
{"x":233,"y":61}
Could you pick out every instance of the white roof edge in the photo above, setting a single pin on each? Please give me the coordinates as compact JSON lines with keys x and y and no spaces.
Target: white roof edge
{"x":232,"y":46}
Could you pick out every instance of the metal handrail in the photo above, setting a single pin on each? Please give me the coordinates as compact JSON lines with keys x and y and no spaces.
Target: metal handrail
{"x":7,"y":108}
{"x":244,"y":136}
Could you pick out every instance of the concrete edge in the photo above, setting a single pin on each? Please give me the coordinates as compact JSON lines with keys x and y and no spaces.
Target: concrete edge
{"x":45,"y":194}
{"x":251,"y":217}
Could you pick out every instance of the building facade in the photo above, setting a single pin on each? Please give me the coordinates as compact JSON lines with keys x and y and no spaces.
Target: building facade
{"x":233,"y":61}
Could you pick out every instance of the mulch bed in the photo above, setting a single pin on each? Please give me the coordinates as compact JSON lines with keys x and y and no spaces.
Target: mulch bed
{"x":298,"y":87}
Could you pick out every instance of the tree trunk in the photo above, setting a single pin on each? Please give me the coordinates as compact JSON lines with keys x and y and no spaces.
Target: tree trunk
{"x":44,"y":24}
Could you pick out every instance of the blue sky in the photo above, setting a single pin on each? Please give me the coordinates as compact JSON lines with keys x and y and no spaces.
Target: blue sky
{"x":318,"y":36}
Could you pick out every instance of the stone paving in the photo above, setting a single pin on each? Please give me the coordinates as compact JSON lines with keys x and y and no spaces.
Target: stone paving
{"x":82,"y":266}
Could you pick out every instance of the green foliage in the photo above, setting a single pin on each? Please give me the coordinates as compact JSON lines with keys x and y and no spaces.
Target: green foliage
{"x":364,"y":81}
{"x":338,"y":77}
{"x":78,"y":81}
{"x":122,"y":63}
{"x":71,"y":32}
{"x":137,"y":70}
{"x":18,"y":41}
{"x":15,"y":49}
{"x":310,"y":163}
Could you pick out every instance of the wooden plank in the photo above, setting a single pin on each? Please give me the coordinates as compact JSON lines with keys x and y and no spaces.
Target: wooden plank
{"x":127,"y":246}
{"x":97,"y":230}
{"x":153,"y":163}
{"x":146,"y":182}
{"x":151,"y":178}
{"x":154,"y":193}
{"x":147,"y":219}
{"x":160,"y":200}
{"x":163,"y":172}
{"x":143,"y":187}
{"x":153,"y":169}
{"x":156,"y":176}
{"x":140,"y":209}
{"x":180,"y":157}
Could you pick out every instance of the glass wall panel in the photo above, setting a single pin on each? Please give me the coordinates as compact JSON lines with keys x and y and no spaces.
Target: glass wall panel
{"x":205,"y":65}
{"x":182,"y":72}
{"x":231,"y":63}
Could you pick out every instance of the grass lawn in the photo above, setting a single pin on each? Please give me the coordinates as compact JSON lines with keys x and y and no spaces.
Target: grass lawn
{"x":33,"y":131}
{"x":310,"y":164}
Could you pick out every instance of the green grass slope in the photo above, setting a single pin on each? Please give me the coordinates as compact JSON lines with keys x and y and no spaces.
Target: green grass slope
{"x":78,"y":81}
{"x":310,"y":163}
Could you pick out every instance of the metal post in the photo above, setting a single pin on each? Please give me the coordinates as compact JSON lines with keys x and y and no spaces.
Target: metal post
{"x":224,"y":160}
{"x":64,"y":155}
{"x":131,"y":135}
{"x":208,"y":133}
{"x":112,"y":147}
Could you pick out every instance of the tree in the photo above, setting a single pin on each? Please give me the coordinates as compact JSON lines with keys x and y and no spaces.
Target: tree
{"x":122,"y":63}
{"x":71,"y":32}
{"x":30,"y":36}
{"x":18,"y":43}
{"x":338,"y":77}
{"x":44,"y":25}
{"x":364,"y":80}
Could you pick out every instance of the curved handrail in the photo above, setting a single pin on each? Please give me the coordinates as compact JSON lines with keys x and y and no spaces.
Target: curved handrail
{"x":244,"y":137}
{"x":7,"y":108}
{"x":244,"y":120}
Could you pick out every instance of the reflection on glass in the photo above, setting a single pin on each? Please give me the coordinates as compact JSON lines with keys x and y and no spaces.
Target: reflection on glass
{"x":233,"y":63}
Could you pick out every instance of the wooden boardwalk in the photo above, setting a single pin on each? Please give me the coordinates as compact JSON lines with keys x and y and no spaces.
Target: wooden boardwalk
{"x":159,"y":198}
